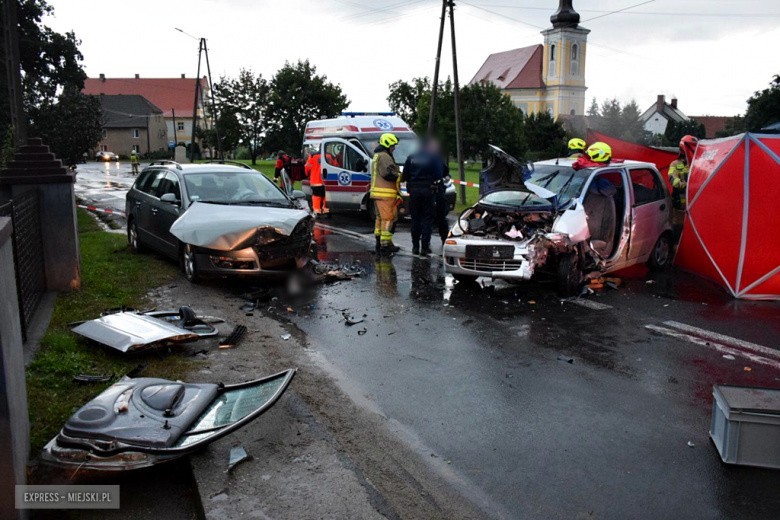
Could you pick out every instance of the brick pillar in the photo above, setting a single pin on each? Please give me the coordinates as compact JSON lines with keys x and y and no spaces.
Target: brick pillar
{"x":34,"y":167}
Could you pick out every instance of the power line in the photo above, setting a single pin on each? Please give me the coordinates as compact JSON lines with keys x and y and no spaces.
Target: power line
{"x":619,"y":10}
{"x":642,"y":13}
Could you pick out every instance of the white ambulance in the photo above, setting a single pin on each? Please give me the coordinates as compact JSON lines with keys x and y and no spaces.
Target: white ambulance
{"x":347,"y":144}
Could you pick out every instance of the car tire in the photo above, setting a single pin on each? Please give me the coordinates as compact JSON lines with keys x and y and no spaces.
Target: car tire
{"x":188,"y":263}
{"x":661,"y":255}
{"x":465,"y":278}
{"x":132,"y":237}
{"x":569,"y":275}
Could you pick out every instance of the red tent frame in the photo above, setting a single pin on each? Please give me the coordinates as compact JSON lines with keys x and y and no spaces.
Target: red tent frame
{"x":731,"y":232}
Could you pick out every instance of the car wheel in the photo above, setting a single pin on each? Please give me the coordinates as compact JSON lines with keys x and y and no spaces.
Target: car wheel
{"x":661,"y":256}
{"x":465,"y":278}
{"x":188,"y":263}
{"x":132,"y":238}
{"x":569,"y":275}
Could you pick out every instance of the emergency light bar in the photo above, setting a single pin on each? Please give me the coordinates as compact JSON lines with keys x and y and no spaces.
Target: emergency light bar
{"x":356,"y":114}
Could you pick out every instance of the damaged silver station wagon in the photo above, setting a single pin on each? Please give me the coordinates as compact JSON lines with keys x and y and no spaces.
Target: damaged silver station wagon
{"x":218,"y":219}
{"x":548,"y":216}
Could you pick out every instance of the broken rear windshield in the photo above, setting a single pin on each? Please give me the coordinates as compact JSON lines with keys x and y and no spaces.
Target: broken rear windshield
{"x":563,"y":180}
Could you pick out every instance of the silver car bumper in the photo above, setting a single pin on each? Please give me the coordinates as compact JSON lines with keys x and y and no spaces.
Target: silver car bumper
{"x":519,"y":267}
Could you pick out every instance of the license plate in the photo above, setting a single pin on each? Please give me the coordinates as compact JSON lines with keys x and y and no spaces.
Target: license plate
{"x":497,"y":252}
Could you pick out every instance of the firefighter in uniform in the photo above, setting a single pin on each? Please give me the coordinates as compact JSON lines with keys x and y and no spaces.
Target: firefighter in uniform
{"x":385,"y":192}
{"x":134,"y":161}
{"x":577,"y":148}
{"x":313,"y":171}
{"x":678,"y":171}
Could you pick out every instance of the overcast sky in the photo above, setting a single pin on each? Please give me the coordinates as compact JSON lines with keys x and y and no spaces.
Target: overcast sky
{"x":711,"y":54}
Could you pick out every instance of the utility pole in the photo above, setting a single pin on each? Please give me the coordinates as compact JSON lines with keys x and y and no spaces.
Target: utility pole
{"x":458,"y":126}
{"x":213,"y":101}
{"x":195,"y":104}
{"x":435,"y":86}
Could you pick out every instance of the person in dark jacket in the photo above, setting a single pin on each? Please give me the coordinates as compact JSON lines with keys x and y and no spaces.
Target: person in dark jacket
{"x":422,"y":172}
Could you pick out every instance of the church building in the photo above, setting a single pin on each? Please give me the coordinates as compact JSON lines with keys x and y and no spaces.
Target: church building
{"x":549,"y":77}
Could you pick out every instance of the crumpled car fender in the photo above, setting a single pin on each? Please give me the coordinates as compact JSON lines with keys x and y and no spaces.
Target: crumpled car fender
{"x":226,"y":228}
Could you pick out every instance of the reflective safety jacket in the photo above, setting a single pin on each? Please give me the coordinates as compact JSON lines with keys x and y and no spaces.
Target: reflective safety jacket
{"x":678,"y":177}
{"x":385,"y":176}
{"x":313,"y":170}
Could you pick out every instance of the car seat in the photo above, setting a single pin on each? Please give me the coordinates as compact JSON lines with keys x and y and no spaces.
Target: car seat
{"x":602,"y":216}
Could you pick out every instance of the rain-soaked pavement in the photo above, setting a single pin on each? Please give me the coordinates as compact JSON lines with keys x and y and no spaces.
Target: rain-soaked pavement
{"x":542,"y":408}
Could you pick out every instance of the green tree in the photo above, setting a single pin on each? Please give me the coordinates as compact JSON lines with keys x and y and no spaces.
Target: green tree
{"x":619,"y":121}
{"x":229,"y":132}
{"x":543,"y":135}
{"x":404,"y":98}
{"x":298,"y":95}
{"x":72,"y":126}
{"x":675,"y":131}
{"x":50,"y":63}
{"x":444,"y":116}
{"x":246,"y":98}
{"x":490,"y":117}
{"x":764,"y":107}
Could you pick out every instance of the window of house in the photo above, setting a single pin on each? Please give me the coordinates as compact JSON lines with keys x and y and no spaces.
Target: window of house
{"x":103,"y":147}
{"x":180,"y":127}
{"x":103,"y":133}
{"x":136,"y":133}
{"x":574,"y":67}
{"x":552,"y":52}
{"x":647,"y":186}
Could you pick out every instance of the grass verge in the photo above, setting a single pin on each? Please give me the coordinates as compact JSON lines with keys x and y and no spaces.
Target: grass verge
{"x":112,"y":276}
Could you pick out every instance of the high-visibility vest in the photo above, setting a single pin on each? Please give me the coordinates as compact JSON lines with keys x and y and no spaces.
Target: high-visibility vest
{"x":382,"y":188}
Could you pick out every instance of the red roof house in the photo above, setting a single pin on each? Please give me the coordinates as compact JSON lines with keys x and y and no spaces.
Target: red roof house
{"x":166,"y":93}
{"x":518,"y":68}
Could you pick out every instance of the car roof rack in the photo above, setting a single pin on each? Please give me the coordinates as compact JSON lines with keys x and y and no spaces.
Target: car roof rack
{"x":225,"y":161}
{"x":166,"y":163}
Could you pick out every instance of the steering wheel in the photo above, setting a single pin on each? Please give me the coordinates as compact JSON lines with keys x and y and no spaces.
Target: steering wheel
{"x":245,"y":194}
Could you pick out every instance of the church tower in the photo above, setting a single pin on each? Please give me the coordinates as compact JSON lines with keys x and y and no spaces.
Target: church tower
{"x":563,"y":66}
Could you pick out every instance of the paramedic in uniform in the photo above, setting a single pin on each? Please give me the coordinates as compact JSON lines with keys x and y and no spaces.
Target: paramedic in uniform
{"x":385,"y":181}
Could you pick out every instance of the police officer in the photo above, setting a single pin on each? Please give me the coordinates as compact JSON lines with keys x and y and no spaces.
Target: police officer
{"x":422,"y":172}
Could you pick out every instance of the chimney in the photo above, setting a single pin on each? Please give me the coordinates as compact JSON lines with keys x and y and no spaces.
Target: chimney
{"x":183,"y":76}
{"x":674,"y":102}
{"x":102,"y":77}
{"x":137,"y":76}
{"x":659,"y":104}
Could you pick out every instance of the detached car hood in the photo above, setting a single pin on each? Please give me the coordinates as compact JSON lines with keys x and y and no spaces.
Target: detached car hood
{"x":225,"y":228}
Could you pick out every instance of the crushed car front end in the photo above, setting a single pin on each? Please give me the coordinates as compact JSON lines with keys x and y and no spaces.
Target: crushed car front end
{"x":268,"y":253}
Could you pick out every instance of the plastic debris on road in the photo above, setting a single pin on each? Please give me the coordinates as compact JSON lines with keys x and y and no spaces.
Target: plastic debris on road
{"x":286,"y":337}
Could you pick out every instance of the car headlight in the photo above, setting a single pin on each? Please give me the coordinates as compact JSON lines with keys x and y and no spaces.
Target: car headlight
{"x":266,"y":236}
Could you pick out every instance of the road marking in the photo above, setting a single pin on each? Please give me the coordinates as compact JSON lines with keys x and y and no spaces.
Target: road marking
{"x":723,"y":349}
{"x":590,"y":304}
{"x":727,"y":340}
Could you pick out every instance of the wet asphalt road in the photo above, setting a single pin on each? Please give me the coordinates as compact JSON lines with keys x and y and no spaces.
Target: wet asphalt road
{"x":478,"y":378}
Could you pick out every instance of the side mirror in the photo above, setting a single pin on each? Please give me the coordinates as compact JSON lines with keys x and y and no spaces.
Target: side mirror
{"x":298,"y":195}
{"x":170,"y":198}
